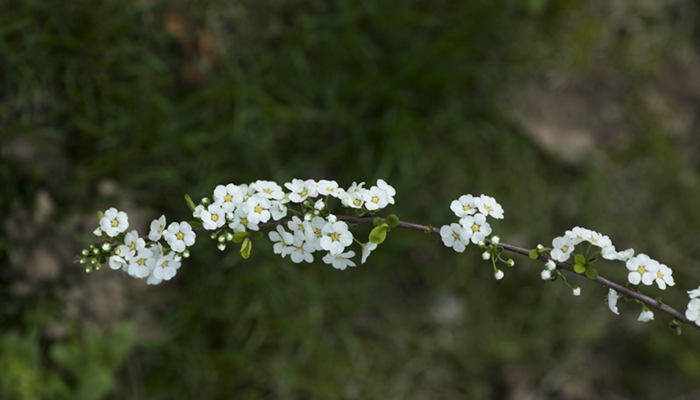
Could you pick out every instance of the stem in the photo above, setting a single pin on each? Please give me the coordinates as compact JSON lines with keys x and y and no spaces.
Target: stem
{"x":564,"y":266}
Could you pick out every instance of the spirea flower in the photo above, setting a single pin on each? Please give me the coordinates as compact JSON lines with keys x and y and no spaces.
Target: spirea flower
{"x":546,"y":274}
{"x":301,"y":250}
{"x":282,"y":241}
{"x":229,"y":196}
{"x":375,"y":198}
{"x":141,"y":265}
{"x":132,"y":244}
{"x":268,"y":189}
{"x":612,"y":301}
{"x":114,"y":222}
{"x":455,"y":236}
{"x":166,"y":267}
{"x":241,"y":223}
{"x":299,"y":227}
{"x":335,"y":237}
{"x":367,"y":248}
{"x":562,"y":247}
{"x":388,"y":189}
{"x":301,"y":189}
{"x":179,"y":236}
{"x":465,"y":205}
{"x":258,"y":209}
{"x":340,"y":261}
{"x":489,"y":206}
{"x":498,"y":274}
{"x":642,"y":269}
{"x":692,"y":312}
{"x":117,"y":262}
{"x":277,"y":210}
{"x":354,"y":196}
{"x":476,"y":226}
{"x":157,"y":228}
{"x":329,"y":188}
{"x":214,"y":217}
{"x":645,"y":316}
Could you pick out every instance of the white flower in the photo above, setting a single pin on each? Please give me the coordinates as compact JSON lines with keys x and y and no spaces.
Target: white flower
{"x":645,"y":316}
{"x":301,"y":251}
{"x":610,"y":253}
{"x":282,"y":240}
{"x":388,"y":189}
{"x":693,"y":310}
{"x":546,"y":274}
{"x":340,"y":261}
{"x":268,"y":189}
{"x":477,"y":227}
{"x":612,"y":301}
{"x":314,"y":231}
{"x":179,"y":236}
{"x":165,"y":267}
{"x":214,"y":217}
{"x":562,"y":247}
{"x":241,"y":223}
{"x":116,"y":262}
{"x":664,"y":277}
{"x":299,"y":227}
{"x":141,"y":265}
{"x":486,"y":255}
{"x":354,"y":196}
{"x":367,"y":248}
{"x":550,"y":265}
{"x":694,"y":293}
{"x":229,"y":196}
{"x":157,"y":227}
{"x":489,"y":206}
{"x":132,"y":244}
{"x":375,"y":198}
{"x":258,"y":209}
{"x":642,"y":269}
{"x":152,"y":280}
{"x":455,"y":236}
{"x":114,"y":222}
{"x":465,"y":205}
{"x":97,"y":232}
{"x":329,"y":188}
{"x":578,"y":235}
{"x":498,"y":274}
{"x":301,"y":189}
{"x":277,"y":210}
{"x":335,"y":237}
{"x":576,"y":291}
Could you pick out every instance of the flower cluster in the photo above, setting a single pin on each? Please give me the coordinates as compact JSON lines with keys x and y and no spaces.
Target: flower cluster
{"x":141,"y":258}
{"x":240,"y":209}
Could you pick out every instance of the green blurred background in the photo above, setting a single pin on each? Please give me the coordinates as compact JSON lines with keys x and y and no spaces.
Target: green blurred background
{"x":569,"y":113}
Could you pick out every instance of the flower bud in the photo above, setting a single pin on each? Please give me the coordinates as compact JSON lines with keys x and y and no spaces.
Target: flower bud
{"x":576,"y":291}
{"x":85,"y":252}
{"x":550,"y":265}
{"x":319,"y":205}
{"x":230,"y":216}
{"x":498,"y":274}
{"x":83,"y":260}
{"x":229,"y":236}
{"x":316,"y":212}
{"x":511,"y":262}
{"x":177,"y":257}
{"x":332,"y":218}
{"x":495,"y":239}
{"x":213,"y":236}
{"x":540,"y":247}
{"x":545,"y":274}
{"x":106,"y":246}
{"x":486,"y":255}
{"x":205,"y":200}
{"x":222,"y":238}
{"x":221,"y":246}
{"x":481,"y":243}
{"x":308,"y":216}
{"x":95,"y":251}
{"x":186,"y":254}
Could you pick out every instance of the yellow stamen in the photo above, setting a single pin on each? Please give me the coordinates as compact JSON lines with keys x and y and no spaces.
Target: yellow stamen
{"x":258,"y":209}
{"x":641,"y":270}
{"x":317,"y":232}
{"x":181,"y":235}
{"x":357,"y":202}
{"x":335,"y":237}
{"x":244,"y":221}
{"x":132,"y":246}
{"x":455,"y":235}
{"x":228,"y":198}
{"x":115,"y":223}
{"x":466,"y":208}
{"x":160,"y":229}
{"x":565,"y":249}
{"x":660,"y":275}
{"x":267,"y":190}
{"x":141,"y":261}
{"x":476,"y":228}
{"x":304,"y":192}
{"x":375,"y":199}
{"x":215,"y":217}
{"x":487,"y":208}
{"x":164,"y":264}
{"x":301,"y":227}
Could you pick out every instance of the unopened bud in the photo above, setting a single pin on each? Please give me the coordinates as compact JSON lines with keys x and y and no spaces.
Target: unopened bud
{"x":222,"y":238}
{"x":85,"y":252}
{"x":221,"y":246}
{"x":486,"y":255}
{"x":186,"y":254}
{"x":498,"y":274}
{"x":229,"y":236}
{"x":495,"y":239}
{"x":106,"y":246}
{"x":205,"y":200}
{"x":511,"y":262}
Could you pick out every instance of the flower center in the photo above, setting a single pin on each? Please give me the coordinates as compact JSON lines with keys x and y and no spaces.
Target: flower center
{"x":660,"y":275}
{"x":357,"y":202}
{"x":375,"y":199}
{"x":115,"y":223}
{"x":258,"y":209}
{"x":141,"y":261}
{"x":455,"y":235}
{"x":215,"y":217}
{"x":641,"y":270}
{"x":335,"y":236}
{"x":304,"y":192}
{"x":267,"y":190}
{"x":160,"y":229}
{"x":476,"y":228}
{"x":132,"y":246}
{"x":565,"y":249}
{"x":300,"y":227}
{"x":466,"y":208}
{"x":329,"y":189}
{"x":228,"y":198}
{"x":164,"y":264}
{"x":317,"y":232}
{"x":487,"y":208}
{"x":181,"y":235}
{"x":244,"y":221}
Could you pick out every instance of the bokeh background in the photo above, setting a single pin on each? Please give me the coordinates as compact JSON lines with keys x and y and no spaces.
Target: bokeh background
{"x":569,"y":113}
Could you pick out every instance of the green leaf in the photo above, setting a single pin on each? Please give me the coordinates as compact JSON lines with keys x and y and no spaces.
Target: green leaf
{"x":239,"y":236}
{"x":100,"y":214}
{"x":534,"y":254}
{"x":580,"y":259}
{"x":579,"y":268}
{"x":194,"y":224}
{"x":392,"y":220}
{"x":189,"y":202}
{"x":378,"y":234}
{"x":377,"y":221}
{"x":591,"y":273}
{"x":246,"y":247}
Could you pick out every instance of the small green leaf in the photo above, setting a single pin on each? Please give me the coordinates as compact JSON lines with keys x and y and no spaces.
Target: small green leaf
{"x":580,"y":259}
{"x":239,"y":236}
{"x":189,"y":202}
{"x":100,"y":214}
{"x":392,"y":220}
{"x":246,"y":247}
{"x":377,"y":221}
{"x":579,"y":268}
{"x":378,"y":234}
{"x":534,"y":254}
{"x":194,"y":224}
{"x":591,"y":273}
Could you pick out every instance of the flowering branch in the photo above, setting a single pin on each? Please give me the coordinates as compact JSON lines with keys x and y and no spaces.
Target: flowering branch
{"x":239,"y":212}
